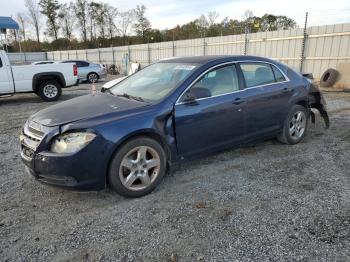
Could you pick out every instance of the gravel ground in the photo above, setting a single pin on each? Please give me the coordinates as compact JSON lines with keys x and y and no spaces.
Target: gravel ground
{"x":262,"y":202}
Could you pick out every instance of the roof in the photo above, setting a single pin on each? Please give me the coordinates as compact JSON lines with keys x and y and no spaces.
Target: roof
{"x":8,"y":23}
{"x":206,"y":59}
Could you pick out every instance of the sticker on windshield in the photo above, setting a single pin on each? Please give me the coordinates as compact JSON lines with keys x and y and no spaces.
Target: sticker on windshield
{"x":184,"y":67}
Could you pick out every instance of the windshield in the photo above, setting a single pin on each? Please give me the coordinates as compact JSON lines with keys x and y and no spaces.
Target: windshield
{"x":153,"y":82}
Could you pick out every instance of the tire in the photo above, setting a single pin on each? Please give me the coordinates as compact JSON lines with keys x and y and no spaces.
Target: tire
{"x":329,"y":77}
{"x":290,"y":137}
{"x":92,"y":78}
{"x":49,"y":90}
{"x":130,"y":175}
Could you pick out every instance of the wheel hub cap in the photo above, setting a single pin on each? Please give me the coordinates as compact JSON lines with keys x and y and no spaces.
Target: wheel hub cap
{"x":50,"y":91}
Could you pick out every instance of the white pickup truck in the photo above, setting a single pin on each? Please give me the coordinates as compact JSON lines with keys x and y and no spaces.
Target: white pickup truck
{"x":46,"y":81}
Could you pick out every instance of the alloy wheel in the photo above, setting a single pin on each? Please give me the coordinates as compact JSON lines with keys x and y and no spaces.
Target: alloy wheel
{"x":93,"y":78}
{"x":297,"y":125}
{"x":139,"y":168}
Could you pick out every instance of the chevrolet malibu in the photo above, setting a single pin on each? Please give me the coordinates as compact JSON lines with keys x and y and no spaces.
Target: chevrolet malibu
{"x":128,"y":136}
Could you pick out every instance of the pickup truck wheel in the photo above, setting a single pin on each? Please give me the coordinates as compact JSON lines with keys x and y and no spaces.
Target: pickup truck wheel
{"x":295,"y":125}
{"x":137,"y":168}
{"x":92,"y":78}
{"x":49,"y":90}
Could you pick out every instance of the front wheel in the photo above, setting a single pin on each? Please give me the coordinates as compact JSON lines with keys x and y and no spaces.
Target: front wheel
{"x":295,"y":125}
{"x":137,"y":167}
{"x":49,"y":90}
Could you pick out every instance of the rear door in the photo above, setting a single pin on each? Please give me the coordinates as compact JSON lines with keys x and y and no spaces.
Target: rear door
{"x":267,"y":93}
{"x":214,"y":121}
{"x":6,"y":83}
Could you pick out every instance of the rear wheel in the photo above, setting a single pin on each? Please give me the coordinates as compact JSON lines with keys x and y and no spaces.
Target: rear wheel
{"x":137,"y":168}
{"x":295,"y":125}
{"x":92,"y":78}
{"x":49,"y":90}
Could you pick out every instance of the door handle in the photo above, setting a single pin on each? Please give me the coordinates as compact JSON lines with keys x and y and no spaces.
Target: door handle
{"x":238,"y":101}
{"x":286,"y":90}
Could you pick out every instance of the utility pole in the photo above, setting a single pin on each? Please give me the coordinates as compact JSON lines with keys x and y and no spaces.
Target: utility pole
{"x":302,"y":57}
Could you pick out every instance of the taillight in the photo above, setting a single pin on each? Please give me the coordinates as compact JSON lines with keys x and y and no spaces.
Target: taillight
{"x":75,"y":70}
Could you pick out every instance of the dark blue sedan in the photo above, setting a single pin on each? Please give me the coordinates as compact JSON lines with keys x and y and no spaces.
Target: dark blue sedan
{"x":177,"y":109}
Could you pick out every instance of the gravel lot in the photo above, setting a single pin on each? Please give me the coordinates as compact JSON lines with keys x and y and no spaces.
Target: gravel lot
{"x":261,"y":202}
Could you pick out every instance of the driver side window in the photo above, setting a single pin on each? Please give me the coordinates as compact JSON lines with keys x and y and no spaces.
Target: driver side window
{"x":218,"y":81}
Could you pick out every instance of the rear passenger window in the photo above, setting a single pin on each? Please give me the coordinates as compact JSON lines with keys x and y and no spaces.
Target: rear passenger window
{"x":278,"y":75}
{"x":256,"y":74}
{"x":82,"y":64}
{"x":0,"y":62}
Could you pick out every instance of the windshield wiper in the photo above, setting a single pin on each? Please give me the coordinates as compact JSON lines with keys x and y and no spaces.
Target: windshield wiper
{"x":137,"y":98}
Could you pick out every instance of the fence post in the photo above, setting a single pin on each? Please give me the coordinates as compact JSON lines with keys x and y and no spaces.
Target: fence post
{"x":113,"y":55}
{"x":149,"y":54}
{"x":246,"y":41}
{"x":204,"y":46}
{"x":305,"y":36}
{"x":86,"y":54}
{"x":173,"y":48}
{"x":99,"y":56}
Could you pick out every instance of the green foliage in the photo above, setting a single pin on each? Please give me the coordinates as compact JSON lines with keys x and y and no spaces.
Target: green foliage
{"x":50,"y":8}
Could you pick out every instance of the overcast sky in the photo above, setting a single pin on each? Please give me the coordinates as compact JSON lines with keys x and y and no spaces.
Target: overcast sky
{"x":168,"y":13}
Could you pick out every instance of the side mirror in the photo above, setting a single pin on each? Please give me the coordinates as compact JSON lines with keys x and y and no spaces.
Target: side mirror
{"x":196,"y":93}
{"x":189,"y":97}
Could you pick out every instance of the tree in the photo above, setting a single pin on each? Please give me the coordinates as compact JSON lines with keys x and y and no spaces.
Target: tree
{"x":111,"y":14}
{"x":34,"y":15}
{"x":93,"y":12}
{"x":50,"y":8}
{"x":22,"y":22}
{"x":81,"y":12}
{"x":125,"y":20}
{"x":202,"y":24}
{"x":101,"y":18}
{"x":284,"y":22}
{"x":67,"y":19}
{"x":212,"y":16}
{"x":142,"y":24}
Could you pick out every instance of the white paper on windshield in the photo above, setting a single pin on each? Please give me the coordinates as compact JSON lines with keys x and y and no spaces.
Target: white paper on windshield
{"x":184,"y":67}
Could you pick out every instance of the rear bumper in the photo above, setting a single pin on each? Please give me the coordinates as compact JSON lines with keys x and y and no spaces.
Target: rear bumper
{"x":102,"y":75}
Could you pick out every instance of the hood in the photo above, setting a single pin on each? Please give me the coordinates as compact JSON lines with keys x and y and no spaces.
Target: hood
{"x":83,"y":107}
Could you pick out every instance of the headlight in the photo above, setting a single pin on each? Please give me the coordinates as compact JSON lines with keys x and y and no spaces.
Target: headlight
{"x":71,"y":142}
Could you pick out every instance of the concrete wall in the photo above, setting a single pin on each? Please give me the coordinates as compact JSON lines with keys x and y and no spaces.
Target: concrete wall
{"x":325,"y":46}
{"x":27,"y":57}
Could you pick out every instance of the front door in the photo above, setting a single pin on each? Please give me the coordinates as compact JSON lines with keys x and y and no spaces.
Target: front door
{"x":214,"y":120}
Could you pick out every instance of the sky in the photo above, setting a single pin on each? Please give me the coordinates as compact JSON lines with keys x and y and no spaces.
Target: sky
{"x":169,"y":13}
